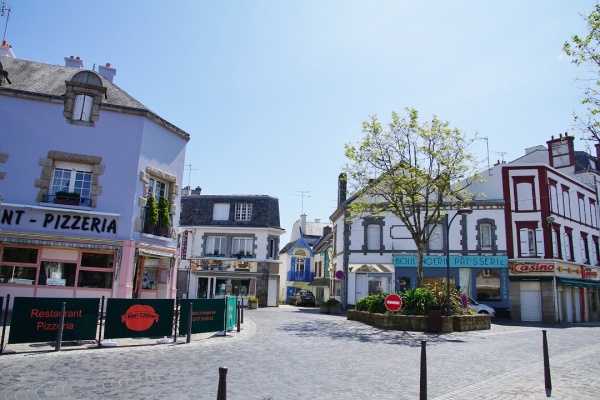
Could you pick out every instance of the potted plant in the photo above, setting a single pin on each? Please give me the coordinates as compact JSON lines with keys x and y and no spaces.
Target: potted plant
{"x":164,"y":216}
{"x":331,"y":306}
{"x":151,"y":215}
{"x":64,"y":197}
{"x":252,"y":303}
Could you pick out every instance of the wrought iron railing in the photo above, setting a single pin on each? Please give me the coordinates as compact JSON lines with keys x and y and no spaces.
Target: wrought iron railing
{"x":302,"y":276}
{"x":67,"y":200}
{"x":158,"y":229}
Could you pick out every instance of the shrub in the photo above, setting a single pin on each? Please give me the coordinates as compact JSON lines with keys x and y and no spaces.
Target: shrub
{"x":418,"y":301}
{"x":152,"y":211}
{"x":252,"y":299}
{"x":63,"y":193}
{"x":165,"y":217}
{"x":374,"y":303}
{"x":331,"y":302}
{"x":440,"y":292}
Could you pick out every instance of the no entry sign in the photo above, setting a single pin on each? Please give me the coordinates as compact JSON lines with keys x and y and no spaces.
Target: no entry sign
{"x":393,"y":302}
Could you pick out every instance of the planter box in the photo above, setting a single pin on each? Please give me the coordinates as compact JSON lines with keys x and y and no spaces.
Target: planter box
{"x":252,"y":305}
{"x":420,"y":323}
{"x":68,"y":201}
{"x":335,"y":309}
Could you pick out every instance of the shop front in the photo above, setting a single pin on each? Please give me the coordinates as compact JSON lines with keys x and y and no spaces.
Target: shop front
{"x":577,"y":293}
{"x":484,"y":278}
{"x":368,"y":279}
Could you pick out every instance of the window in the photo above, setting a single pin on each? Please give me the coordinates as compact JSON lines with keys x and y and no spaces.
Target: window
{"x":72,"y":178}
{"x":595,"y":251}
{"x":57,"y":273}
{"x":487,"y":285}
{"x":19,"y":265}
{"x":568,"y":244}
{"x":299,"y":264}
{"x":566,"y":201}
{"x":82,"y":109}
{"x":373,"y":237}
{"x":157,"y":188}
{"x":221,"y":212}
{"x":556,"y":244}
{"x":530,"y":240}
{"x":215,"y":246}
{"x":241,"y":247}
{"x":272,"y":249}
{"x":554,"y":199}
{"x":593,"y":220}
{"x":485,"y":236}
{"x":585,"y":248}
{"x":581,"y":205}
{"x":524,"y":193}
{"x":243,"y":212}
{"x":96,"y":270}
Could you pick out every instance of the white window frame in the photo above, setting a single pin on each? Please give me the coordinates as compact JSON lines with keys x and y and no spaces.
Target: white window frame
{"x":485,"y":236}
{"x":220,"y":212}
{"x":531,"y":242}
{"x":73,"y":184}
{"x":299,"y":264}
{"x":525,"y":199}
{"x":373,"y":239}
{"x":243,"y":211}
{"x":158,"y":188}
{"x":242,"y":244}
{"x":216,"y":242}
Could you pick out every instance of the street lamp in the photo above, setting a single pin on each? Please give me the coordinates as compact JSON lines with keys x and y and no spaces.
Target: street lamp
{"x":461,"y":211}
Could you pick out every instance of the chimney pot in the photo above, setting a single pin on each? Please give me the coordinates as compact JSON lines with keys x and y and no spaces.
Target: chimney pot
{"x":77,"y":58}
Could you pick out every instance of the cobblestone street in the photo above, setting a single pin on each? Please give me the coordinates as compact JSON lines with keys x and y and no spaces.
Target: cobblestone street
{"x":297,"y":353}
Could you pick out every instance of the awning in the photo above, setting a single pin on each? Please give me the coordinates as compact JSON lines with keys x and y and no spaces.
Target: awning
{"x":580,"y":283}
{"x":371,"y":268}
{"x":320,"y":282}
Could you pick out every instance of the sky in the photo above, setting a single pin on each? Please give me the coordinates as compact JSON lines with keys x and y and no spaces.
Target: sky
{"x":271,"y":90}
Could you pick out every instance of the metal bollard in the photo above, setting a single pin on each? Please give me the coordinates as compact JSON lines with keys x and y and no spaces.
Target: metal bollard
{"x":189,"y":327}
{"x":61,"y":325}
{"x":239,"y":316}
{"x":423,"y":371}
{"x":547,"y":377}
{"x":222,"y":392}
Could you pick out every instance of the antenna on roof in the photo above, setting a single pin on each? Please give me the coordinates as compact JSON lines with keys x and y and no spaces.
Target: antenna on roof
{"x":189,"y":167}
{"x":500,"y":153}
{"x":5,"y":11}
{"x":303,"y":194}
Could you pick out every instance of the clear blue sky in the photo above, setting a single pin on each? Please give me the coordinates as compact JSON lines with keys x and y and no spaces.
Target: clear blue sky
{"x":271,"y":90}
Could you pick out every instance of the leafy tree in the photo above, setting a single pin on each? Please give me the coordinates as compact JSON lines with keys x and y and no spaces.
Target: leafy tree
{"x":584,"y":50}
{"x":414,"y":170}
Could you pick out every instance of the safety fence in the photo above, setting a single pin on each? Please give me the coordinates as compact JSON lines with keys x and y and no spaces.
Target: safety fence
{"x":38,"y":319}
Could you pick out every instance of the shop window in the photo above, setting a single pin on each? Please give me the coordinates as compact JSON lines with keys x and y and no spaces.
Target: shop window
{"x":379,"y":283}
{"x":243,"y":212}
{"x":487,"y":285}
{"x":19,"y":275}
{"x":20,"y":255}
{"x":94,"y":270}
{"x":220,"y":212}
{"x":240,"y":287}
{"x":150,"y":278}
{"x":215,"y":246}
{"x":57,"y":273}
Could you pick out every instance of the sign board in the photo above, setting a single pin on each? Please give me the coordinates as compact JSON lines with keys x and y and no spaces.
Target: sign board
{"x":129,"y":318}
{"x":36,"y":319}
{"x":393,"y":302}
{"x":208,"y":315}
{"x":231,"y":313}
{"x":339,"y":274}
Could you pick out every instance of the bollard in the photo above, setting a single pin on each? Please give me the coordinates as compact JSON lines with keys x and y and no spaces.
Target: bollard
{"x":61,"y":325}
{"x":101,"y":321}
{"x":189,"y":327}
{"x":242,"y":310}
{"x":4,"y":323}
{"x":423,"y":371}
{"x":222,"y":392}
{"x":239,"y":313}
{"x":547,"y":378}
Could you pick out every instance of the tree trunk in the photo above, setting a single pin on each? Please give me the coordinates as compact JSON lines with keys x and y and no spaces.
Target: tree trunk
{"x":420,"y":251}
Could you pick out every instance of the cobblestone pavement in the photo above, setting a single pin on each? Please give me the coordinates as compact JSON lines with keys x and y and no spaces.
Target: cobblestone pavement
{"x":296,"y":353}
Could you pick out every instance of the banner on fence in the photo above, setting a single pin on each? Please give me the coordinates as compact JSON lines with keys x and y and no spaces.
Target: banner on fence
{"x":36,"y":319}
{"x":208,"y":315}
{"x":128,"y":318}
{"x":231,"y":313}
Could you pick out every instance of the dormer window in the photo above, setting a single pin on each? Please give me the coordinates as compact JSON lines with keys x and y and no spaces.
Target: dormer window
{"x":83,"y":98}
{"x":243,"y":212}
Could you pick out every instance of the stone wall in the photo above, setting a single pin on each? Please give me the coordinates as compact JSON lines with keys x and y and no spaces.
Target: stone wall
{"x":420,"y":323}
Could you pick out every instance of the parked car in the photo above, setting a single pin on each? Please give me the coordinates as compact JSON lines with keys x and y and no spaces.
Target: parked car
{"x":480,"y":308}
{"x":303,"y":297}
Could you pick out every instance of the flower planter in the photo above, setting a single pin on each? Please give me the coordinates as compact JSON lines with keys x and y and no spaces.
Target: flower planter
{"x":252,"y":305}
{"x":67,"y":201}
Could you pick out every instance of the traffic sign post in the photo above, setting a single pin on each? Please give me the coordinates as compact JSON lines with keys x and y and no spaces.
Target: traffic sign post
{"x":393,"y":302}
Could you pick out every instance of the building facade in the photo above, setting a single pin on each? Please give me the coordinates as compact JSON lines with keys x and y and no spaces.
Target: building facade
{"x":230,"y":246}
{"x":79,"y":159}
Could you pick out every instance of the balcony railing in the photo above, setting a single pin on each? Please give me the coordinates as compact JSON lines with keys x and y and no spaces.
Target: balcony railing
{"x":158,"y":229}
{"x":294,"y":276}
{"x":67,"y":200}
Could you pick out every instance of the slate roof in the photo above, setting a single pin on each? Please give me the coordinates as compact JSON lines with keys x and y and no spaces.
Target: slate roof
{"x":198,"y":211}
{"x":48,"y":81}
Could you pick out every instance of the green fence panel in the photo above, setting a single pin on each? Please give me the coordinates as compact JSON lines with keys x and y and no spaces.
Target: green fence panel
{"x":128,"y":318}
{"x":208,"y":315}
{"x":231,"y":313}
{"x":36,"y":319}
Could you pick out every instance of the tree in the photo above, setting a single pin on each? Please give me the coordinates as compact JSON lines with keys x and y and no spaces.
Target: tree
{"x":151,"y":213}
{"x":415,"y":171}
{"x":584,"y":50}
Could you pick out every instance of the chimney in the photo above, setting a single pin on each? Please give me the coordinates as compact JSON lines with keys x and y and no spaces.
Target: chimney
{"x":74,"y":62}
{"x":317,"y":220}
{"x":6,"y":50}
{"x":107,"y":72}
{"x":342,"y":187}
{"x":197,"y":191}
{"x":327,"y":230}
{"x":186,"y":191}
{"x":303,"y":224}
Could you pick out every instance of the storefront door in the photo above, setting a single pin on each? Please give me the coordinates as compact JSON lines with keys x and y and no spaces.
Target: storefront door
{"x":531,"y":301}
{"x":362,"y":287}
{"x":569,"y":303}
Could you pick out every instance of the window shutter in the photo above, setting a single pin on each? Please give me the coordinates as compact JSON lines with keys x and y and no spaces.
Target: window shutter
{"x":373,"y":237}
{"x":539,"y":243}
{"x":554,"y":244}
{"x":293,"y":268}
{"x":221,"y":212}
{"x":594,"y":259}
{"x":307,"y":265}
{"x":584,"y":259}
{"x":524,"y":242}
{"x":568,"y":255}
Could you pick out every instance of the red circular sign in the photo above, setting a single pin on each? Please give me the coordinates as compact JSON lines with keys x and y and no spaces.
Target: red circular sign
{"x":393,"y":302}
